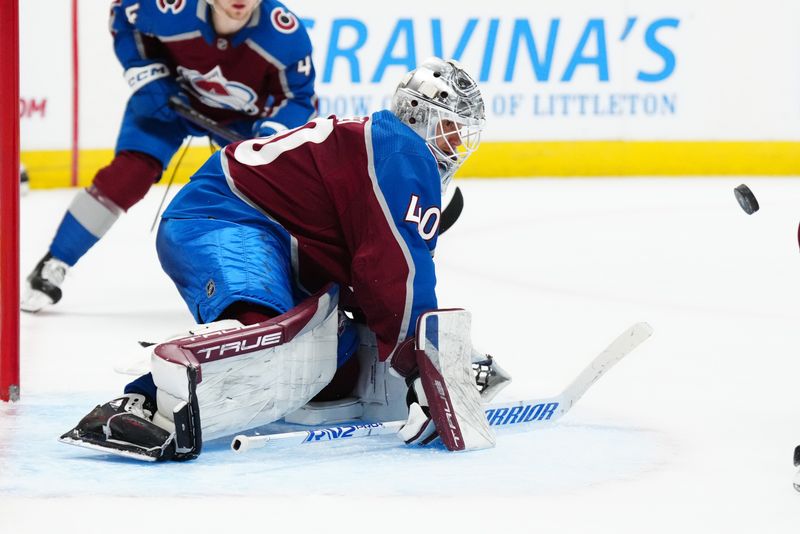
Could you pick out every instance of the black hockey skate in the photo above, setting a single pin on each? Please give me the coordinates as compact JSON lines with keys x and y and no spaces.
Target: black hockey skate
{"x":124,"y":427}
{"x":44,"y":284}
{"x":797,"y":464}
{"x":24,"y":180}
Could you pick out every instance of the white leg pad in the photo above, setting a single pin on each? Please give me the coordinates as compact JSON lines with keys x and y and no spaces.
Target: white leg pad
{"x":252,"y":375}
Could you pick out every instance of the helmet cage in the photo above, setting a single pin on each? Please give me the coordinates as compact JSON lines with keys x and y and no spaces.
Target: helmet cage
{"x":451,"y":138}
{"x":443,"y":105}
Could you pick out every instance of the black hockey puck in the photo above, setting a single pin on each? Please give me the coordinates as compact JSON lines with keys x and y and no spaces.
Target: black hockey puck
{"x":746,"y":198}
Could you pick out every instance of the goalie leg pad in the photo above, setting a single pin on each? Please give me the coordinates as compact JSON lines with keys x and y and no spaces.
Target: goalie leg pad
{"x":251,"y":375}
{"x":444,"y":354}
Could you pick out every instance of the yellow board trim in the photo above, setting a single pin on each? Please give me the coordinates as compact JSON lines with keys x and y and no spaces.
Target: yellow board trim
{"x":51,"y":168}
{"x":634,"y":158}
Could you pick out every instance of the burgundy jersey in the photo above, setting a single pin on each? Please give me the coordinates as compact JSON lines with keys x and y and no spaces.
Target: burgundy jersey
{"x":263,"y":70}
{"x":358,"y":201}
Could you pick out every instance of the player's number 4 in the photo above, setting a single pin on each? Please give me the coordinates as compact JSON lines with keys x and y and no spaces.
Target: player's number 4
{"x":427,"y":222}
{"x":257,"y":152}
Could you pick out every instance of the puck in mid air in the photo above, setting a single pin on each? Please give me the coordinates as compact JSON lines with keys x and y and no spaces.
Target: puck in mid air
{"x":746,"y":198}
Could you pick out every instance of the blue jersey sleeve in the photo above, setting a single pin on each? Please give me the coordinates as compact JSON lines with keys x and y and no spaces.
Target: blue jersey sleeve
{"x":284,"y":41}
{"x":414,"y":201}
{"x":300,"y":105}
{"x":127,"y":41}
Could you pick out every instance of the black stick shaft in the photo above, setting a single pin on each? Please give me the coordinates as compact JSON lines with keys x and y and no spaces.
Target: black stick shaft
{"x":198,"y":119}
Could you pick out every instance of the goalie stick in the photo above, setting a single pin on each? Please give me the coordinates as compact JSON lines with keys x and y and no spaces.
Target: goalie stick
{"x":450,"y":213}
{"x":545,"y":410}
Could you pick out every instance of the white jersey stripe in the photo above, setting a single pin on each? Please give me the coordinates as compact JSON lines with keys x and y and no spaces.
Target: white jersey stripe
{"x":180,"y":37}
{"x":412,"y":271}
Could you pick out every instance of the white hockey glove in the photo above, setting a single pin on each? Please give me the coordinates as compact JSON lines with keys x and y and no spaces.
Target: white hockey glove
{"x":419,"y":428}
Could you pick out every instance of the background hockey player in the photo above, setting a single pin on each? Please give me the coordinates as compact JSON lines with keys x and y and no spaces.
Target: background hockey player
{"x":266,"y":223}
{"x":244,"y":63}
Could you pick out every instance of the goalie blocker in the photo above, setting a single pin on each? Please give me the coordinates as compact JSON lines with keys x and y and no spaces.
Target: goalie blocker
{"x":443,"y":400}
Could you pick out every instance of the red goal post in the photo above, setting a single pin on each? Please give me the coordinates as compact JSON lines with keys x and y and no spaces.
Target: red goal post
{"x":9,"y":201}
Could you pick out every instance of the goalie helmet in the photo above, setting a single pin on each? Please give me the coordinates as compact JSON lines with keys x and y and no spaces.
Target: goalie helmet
{"x":442,"y":103}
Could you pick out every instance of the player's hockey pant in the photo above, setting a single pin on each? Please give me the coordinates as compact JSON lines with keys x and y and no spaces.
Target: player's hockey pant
{"x":117,"y":187}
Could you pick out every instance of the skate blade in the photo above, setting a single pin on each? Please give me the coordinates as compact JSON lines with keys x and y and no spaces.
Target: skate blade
{"x":108,"y":450}
{"x":34,"y":301}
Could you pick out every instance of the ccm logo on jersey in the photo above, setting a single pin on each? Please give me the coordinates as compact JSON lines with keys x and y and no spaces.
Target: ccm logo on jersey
{"x":427,"y":222}
{"x":283,"y":20}
{"x":176,"y":6}
{"x":521,"y":414}
{"x":137,"y":77}
{"x":233,"y":348}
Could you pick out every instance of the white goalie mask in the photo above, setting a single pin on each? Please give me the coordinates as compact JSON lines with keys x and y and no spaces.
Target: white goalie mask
{"x":442,"y":103}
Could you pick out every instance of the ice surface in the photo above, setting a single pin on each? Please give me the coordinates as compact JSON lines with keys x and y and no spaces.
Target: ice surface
{"x":693,"y":432}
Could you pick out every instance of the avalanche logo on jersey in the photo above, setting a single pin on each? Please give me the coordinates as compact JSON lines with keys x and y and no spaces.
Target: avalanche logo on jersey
{"x":214,"y":90}
{"x":283,"y":20}
{"x":176,"y":6}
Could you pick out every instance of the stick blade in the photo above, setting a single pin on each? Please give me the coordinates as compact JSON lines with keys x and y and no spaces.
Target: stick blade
{"x":452,"y":211}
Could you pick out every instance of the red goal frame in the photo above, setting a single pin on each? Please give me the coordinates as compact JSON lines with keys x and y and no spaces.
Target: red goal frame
{"x":9,"y":201}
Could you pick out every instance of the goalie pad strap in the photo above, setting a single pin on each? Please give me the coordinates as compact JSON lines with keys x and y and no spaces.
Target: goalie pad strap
{"x":186,"y":417}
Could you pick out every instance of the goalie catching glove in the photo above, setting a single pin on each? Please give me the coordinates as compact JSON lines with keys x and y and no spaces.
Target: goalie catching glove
{"x":448,"y":383}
